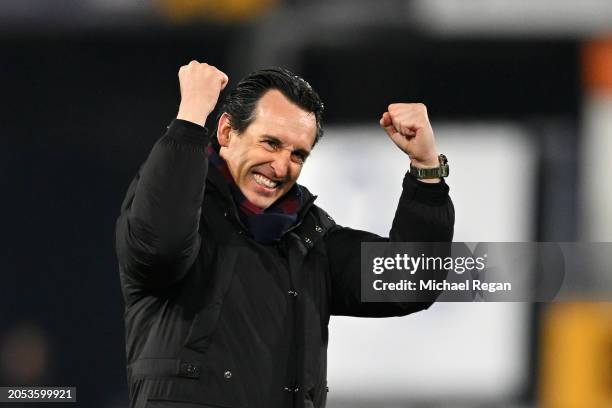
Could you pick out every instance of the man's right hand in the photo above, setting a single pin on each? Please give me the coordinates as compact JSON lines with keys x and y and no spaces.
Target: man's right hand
{"x":201,"y":85}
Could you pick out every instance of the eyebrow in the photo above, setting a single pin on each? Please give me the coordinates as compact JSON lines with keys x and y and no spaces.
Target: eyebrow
{"x":275,"y":139}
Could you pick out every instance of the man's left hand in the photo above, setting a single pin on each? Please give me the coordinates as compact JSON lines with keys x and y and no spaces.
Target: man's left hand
{"x":408,"y":126}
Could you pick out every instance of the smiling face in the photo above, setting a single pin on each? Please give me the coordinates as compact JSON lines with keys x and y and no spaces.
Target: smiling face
{"x":266,"y":159}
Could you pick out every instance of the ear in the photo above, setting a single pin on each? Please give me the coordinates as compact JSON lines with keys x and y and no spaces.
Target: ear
{"x":224,"y":130}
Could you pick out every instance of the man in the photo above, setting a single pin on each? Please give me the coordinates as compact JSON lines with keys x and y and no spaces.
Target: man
{"x":229,"y":270}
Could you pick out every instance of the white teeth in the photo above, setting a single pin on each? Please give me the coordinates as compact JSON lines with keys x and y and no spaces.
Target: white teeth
{"x":264,"y":181}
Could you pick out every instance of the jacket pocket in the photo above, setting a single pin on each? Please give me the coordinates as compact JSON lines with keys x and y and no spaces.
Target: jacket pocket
{"x":204,"y":382}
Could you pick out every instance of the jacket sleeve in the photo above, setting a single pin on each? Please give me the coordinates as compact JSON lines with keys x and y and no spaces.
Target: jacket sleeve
{"x":157,"y":237}
{"x":425,"y":213}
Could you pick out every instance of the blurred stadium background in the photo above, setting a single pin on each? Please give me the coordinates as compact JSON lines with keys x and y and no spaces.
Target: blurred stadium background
{"x":520,"y":96}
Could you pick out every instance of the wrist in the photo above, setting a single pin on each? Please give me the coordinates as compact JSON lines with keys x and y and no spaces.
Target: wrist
{"x":429,"y":163}
{"x":192,"y":114}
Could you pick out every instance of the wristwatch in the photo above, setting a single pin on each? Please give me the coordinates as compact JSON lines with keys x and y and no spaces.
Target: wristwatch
{"x":435,"y":172}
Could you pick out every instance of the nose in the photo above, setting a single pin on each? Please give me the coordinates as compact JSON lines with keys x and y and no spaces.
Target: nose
{"x":281,"y":163}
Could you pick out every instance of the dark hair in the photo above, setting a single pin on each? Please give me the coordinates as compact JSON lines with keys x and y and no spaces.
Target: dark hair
{"x":241,"y":102}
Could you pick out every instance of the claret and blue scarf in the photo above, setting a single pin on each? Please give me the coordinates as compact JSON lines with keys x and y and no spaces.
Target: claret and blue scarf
{"x":266,"y":226}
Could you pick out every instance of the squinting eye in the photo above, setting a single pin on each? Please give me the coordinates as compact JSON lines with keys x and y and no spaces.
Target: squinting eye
{"x":298,"y":158}
{"x":272,"y":144}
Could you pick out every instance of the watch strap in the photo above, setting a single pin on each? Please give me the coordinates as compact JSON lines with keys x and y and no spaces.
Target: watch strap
{"x":429,"y":173}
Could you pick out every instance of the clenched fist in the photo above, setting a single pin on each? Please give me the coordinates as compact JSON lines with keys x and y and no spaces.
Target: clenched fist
{"x":201,"y":85}
{"x":408,"y":126}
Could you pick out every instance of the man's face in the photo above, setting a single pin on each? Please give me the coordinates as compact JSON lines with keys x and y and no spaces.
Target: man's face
{"x":267,"y":158}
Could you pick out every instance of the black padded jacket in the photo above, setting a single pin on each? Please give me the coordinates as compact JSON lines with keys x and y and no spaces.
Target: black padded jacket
{"x":214,"y":318}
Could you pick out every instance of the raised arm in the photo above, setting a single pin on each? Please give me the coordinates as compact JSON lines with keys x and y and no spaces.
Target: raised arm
{"x":425,"y":213}
{"x":157,"y":236}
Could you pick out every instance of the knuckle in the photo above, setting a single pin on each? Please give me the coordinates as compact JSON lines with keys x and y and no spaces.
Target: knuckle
{"x":417,"y":107}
